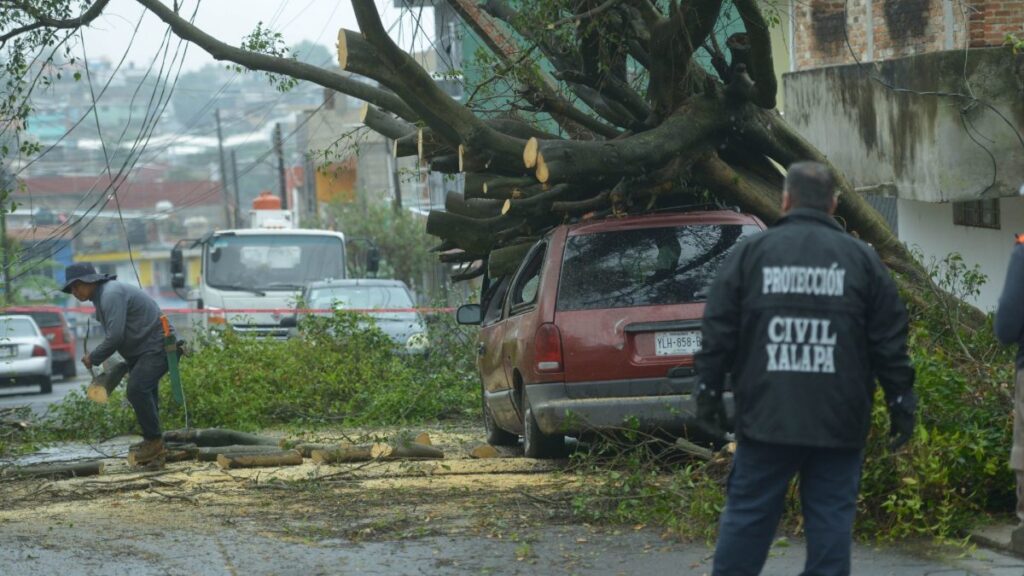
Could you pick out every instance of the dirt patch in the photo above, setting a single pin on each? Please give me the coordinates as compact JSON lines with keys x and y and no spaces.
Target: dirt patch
{"x":402,"y":499}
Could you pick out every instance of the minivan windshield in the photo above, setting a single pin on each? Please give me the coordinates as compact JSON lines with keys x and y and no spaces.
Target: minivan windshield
{"x":272,"y":261}
{"x":644,"y":267}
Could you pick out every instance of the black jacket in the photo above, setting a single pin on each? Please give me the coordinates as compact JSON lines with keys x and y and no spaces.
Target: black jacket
{"x":1009,"y":321}
{"x":805,"y":317}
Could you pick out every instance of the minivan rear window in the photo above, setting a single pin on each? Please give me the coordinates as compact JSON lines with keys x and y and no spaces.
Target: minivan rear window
{"x":644,"y":267}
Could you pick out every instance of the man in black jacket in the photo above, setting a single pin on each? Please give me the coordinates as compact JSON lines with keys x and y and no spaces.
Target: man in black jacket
{"x":1009,"y":326}
{"x":805,"y":317}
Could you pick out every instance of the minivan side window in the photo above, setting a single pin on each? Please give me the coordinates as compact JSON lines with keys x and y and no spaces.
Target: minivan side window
{"x":494,"y":300}
{"x":527,"y":282}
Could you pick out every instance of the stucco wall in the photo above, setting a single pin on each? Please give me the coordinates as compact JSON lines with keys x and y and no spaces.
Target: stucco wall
{"x":929,"y":228}
{"x":919,"y":143}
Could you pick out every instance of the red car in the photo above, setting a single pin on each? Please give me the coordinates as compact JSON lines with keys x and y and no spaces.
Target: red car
{"x":597,"y":328}
{"x":54,"y":326}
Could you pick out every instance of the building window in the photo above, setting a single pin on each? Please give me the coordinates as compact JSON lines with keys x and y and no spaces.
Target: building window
{"x":977,"y":213}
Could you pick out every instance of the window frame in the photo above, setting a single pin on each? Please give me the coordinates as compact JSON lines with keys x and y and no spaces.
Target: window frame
{"x":972,"y":213}
{"x":534,"y":256}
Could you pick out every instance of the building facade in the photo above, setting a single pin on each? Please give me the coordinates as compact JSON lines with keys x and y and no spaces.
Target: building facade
{"x":922,"y":106}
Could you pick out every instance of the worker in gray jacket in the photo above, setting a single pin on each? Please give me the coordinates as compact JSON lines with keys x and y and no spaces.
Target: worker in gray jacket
{"x":131,"y":320}
{"x":1009,"y":326}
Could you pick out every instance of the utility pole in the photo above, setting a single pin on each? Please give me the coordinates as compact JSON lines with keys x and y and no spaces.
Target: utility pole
{"x":279,"y":149}
{"x":234,"y":180}
{"x":228,"y":220}
{"x":7,"y":183}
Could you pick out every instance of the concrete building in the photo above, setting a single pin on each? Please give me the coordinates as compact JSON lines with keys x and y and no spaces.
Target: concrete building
{"x":921,"y":106}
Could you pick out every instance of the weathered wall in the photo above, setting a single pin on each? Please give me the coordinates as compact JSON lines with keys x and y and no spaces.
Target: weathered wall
{"x":929,"y":228}
{"x":830,"y":32}
{"x":918,"y":144}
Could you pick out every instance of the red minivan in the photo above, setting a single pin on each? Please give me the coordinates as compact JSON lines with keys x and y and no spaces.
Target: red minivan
{"x":598,"y":327}
{"x":54,"y":325}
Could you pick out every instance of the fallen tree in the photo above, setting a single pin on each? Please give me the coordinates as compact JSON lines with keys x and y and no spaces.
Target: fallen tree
{"x":608,"y":112}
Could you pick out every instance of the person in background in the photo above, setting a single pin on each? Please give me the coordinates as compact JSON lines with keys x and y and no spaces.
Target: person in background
{"x":131,"y":320}
{"x":1009,"y":328}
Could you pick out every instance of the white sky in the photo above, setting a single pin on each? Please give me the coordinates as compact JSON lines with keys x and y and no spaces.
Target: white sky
{"x":231,"y":20}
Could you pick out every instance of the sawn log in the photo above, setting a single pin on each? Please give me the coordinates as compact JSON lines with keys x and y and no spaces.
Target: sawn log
{"x":275,"y":458}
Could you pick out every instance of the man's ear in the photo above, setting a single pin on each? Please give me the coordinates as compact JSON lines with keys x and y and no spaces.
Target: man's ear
{"x":787,"y":201}
{"x":835,"y":204}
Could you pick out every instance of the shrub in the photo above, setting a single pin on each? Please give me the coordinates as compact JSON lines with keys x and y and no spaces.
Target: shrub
{"x":340,"y":370}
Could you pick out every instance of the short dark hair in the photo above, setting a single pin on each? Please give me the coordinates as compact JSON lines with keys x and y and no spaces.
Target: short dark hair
{"x":810,"y":185}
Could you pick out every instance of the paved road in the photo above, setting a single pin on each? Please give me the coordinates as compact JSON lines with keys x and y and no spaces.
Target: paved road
{"x":30,"y":396}
{"x":228,"y":548}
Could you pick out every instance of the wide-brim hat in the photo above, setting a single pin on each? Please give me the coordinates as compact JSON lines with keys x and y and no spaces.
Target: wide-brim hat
{"x":83,"y":272}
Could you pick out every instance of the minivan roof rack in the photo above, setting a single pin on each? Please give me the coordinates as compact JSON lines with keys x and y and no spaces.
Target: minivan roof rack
{"x":696,"y":207}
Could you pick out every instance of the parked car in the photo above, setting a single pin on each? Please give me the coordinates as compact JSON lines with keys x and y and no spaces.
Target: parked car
{"x":396,"y":317}
{"x":598,"y":327}
{"x":54,"y":325}
{"x":24,"y":354}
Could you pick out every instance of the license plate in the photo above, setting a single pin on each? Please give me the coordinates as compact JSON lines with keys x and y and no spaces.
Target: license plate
{"x":676,"y":343}
{"x":8,"y":351}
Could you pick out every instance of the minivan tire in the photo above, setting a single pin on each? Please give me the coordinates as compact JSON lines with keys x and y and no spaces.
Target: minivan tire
{"x":537,"y":444}
{"x":495,"y":436}
{"x":69,"y":370}
{"x":46,"y":385}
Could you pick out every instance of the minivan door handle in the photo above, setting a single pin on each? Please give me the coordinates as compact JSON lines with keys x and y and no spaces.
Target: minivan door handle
{"x":481,"y":349}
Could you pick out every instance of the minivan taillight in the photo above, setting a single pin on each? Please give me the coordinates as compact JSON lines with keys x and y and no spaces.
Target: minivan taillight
{"x":38,"y":351}
{"x":547,"y":344}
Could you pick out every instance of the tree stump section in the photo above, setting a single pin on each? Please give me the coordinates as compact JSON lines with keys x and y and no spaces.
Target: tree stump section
{"x":409,"y":451}
{"x":484,"y":451}
{"x":343,"y":453}
{"x":57,"y":471}
{"x":276,"y":458}
{"x":210,"y":454}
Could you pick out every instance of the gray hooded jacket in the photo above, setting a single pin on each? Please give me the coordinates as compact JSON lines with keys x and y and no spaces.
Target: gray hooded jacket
{"x":131,"y":320}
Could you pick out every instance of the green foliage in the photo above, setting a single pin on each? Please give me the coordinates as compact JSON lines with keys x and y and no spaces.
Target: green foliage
{"x":401,"y":237}
{"x":1015,"y":43}
{"x":266,"y":41}
{"x":340,"y":369}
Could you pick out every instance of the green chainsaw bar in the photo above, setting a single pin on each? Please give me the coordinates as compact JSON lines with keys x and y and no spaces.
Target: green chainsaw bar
{"x":171,"y":347}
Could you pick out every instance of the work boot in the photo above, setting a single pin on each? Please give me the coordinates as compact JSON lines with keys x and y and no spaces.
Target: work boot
{"x":149,"y":451}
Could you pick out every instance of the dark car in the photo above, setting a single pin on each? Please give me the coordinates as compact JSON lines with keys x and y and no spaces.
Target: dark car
{"x":598,"y":327}
{"x":55,"y":328}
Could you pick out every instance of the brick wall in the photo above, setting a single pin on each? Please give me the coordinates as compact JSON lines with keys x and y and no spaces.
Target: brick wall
{"x":990,"y":22}
{"x":830,"y":32}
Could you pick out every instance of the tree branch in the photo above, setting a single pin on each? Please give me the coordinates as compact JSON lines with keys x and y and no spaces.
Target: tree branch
{"x":448,"y":119}
{"x":385,"y":124}
{"x":760,"y":67}
{"x":299,"y":70}
{"x":83,"y":20}
{"x":691,"y":129}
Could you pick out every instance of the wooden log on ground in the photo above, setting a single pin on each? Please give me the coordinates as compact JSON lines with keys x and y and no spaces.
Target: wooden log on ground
{"x":343,"y":453}
{"x":217,"y":437}
{"x":406,"y":451}
{"x":307,"y":448}
{"x":210,"y":453}
{"x":181,"y":453}
{"x":276,"y":458}
{"x":57,"y":470}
